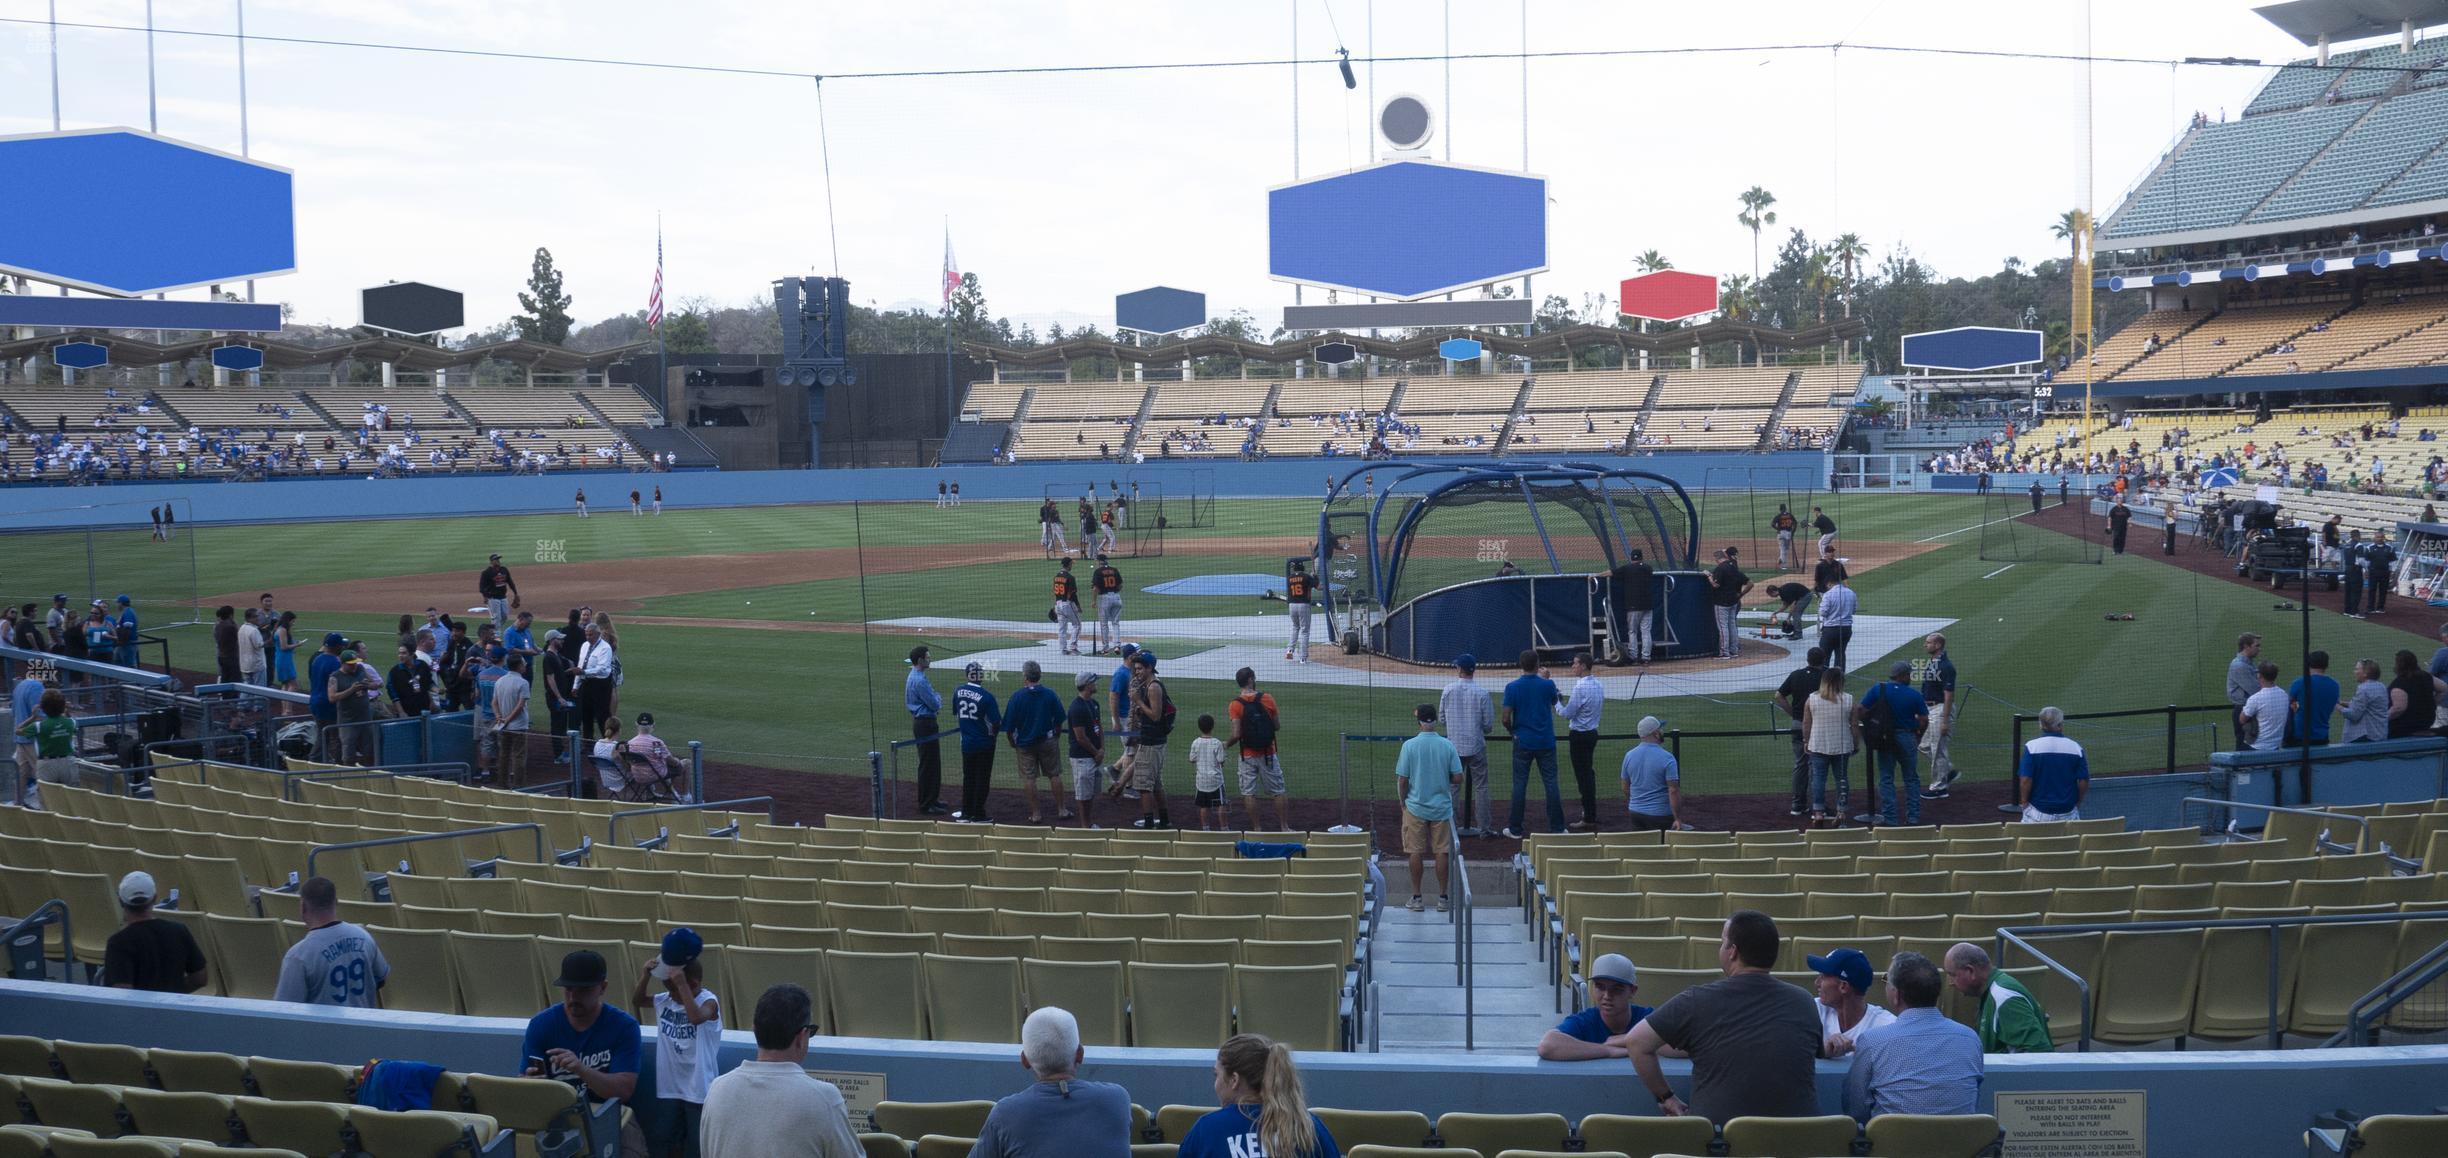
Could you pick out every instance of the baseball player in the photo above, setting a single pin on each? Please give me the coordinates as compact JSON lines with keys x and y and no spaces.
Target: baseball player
{"x":1784,"y":524}
{"x":582,"y":502}
{"x":1792,"y":599}
{"x":1066,"y":609}
{"x":1088,"y":526}
{"x":1297,"y":593}
{"x":1108,"y":528}
{"x":1049,"y":528}
{"x":1106,"y":582}
{"x":1826,"y":527}
{"x":658,"y":500}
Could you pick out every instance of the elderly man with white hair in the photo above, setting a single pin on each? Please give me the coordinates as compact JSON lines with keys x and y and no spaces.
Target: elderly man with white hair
{"x":2054,"y":774}
{"x":1059,"y":1116}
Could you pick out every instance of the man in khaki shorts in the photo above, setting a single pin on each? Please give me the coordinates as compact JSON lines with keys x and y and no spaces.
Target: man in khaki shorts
{"x":1085,"y":740}
{"x":1151,"y":718}
{"x":1425,"y":776}
{"x":1034,"y":722}
{"x":1255,"y":722}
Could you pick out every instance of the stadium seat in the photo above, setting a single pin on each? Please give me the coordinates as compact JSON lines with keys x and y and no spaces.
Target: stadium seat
{"x":422,"y":978}
{"x":752,"y":971}
{"x":292,"y":1080}
{"x":204,"y":1117}
{"x":2397,"y":1136}
{"x":911,"y":1120}
{"x":1790,"y":1137}
{"x":1185,"y":1006}
{"x":389,"y":1134}
{"x":1300,"y":1005}
{"x":1932,"y":1135}
{"x":1397,"y":1128}
{"x":972,"y":998}
{"x":93,"y":1109}
{"x":199,"y":1071}
{"x":881,"y":1145}
{"x":1490,"y":1133}
{"x":1410,"y":1152}
{"x":1173,"y":951}
{"x":545,"y":1116}
{"x":248,"y":951}
{"x":497,"y":974}
{"x":876,"y":994}
{"x":2145,"y":986}
{"x":1091,"y":990}
{"x":2339,"y":963}
{"x":1646,"y":1134}
{"x":1172,"y":1122}
{"x":78,"y":1146}
{"x":91,"y":1063}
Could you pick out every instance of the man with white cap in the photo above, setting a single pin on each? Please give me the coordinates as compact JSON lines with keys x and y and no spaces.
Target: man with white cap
{"x":1653,"y":781}
{"x":1594,"y":1033}
{"x":157,"y":956}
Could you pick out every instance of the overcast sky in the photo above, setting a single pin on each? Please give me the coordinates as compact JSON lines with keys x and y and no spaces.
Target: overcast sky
{"x":1063,"y":190}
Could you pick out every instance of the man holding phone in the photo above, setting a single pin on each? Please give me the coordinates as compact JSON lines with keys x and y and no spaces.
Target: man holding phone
{"x":581,"y":1041}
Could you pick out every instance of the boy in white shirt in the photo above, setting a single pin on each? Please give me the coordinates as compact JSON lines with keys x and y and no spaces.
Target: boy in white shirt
{"x":688,"y":1041}
{"x":1207,"y":756}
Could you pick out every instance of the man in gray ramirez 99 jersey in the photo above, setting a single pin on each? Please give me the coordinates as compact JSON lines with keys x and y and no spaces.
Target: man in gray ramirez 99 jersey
{"x":334,"y":962}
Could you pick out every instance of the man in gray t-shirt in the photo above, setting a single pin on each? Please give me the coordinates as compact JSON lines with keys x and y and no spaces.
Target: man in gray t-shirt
{"x":334,"y":963}
{"x":1752,"y":1038}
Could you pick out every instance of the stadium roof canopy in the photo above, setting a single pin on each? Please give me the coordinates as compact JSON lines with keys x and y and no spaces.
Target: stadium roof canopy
{"x":2315,"y":21}
{"x":1424,"y":345}
{"x":406,"y":354}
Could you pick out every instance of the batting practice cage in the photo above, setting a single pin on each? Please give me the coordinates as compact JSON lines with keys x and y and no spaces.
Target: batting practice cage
{"x":2011,"y":531}
{"x":1427,"y":563}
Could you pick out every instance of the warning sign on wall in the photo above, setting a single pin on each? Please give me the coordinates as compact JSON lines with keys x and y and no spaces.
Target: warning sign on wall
{"x":2089,"y":1124}
{"x":860,"y":1091}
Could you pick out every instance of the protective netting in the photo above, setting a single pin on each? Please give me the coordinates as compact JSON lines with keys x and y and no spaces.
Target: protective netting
{"x":2019,"y":528}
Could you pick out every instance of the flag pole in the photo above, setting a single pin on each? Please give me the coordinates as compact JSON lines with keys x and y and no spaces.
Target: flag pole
{"x":662,"y":350}
{"x":950,"y":399}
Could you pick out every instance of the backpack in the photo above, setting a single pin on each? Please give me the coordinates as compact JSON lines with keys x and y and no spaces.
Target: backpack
{"x":1257,"y":724}
{"x":1160,"y":729}
{"x":1878,"y":719}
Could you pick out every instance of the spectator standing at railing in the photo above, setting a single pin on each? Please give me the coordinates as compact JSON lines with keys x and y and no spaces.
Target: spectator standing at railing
{"x":511,"y":693}
{"x":318,"y":691}
{"x":1034,"y":721}
{"x":352,"y":688}
{"x":1581,"y":712}
{"x":225,"y":643}
{"x":1468,"y":716}
{"x":411,"y":684}
{"x":25,"y":706}
{"x":252,"y":665}
{"x":2054,"y":774}
{"x":2367,"y":712}
{"x":1425,"y":776}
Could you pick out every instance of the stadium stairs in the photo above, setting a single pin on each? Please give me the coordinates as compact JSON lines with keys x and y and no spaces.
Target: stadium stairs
{"x":972,"y":442}
{"x":469,"y":416}
{"x":328,"y":418}
{"x":1776,"y":417}
{"x":661,"y":440}
{"x":1147,"y":406}
{"x":180,"y":420}
{"x":1521,"y":404}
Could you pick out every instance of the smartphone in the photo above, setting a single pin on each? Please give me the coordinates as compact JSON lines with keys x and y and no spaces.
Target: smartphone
{"x":537,"y":1064}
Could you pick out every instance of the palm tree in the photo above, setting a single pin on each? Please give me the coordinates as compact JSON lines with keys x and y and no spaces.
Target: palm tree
{"x":1849,"y":252}
{"x":1819,"y":276}
{"x":2069,"y":224}
{"x":1651,"y":261}
{"x":1755,"y":216}
{"x":1735,"y":300}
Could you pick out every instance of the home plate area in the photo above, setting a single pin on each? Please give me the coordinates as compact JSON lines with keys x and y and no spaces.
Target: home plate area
{"x":1187,"y":648}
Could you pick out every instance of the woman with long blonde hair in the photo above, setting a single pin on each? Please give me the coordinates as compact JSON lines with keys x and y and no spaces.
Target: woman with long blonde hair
{"x":1263,"y":1110}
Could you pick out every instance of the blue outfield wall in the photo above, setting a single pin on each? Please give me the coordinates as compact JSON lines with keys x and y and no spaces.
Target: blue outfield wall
{"x":2239,"y":1104}
{"x":325,"y":499}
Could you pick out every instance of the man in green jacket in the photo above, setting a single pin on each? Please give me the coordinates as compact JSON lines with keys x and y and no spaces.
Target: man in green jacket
{"x":2011,"y":1020}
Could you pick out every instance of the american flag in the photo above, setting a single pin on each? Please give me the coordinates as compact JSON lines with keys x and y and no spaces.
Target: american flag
{"x":952,"y":277}
{"x":654,"y":297}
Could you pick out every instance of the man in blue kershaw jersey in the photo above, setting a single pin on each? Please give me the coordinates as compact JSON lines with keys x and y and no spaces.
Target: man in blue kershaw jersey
{"x":981,"y":719}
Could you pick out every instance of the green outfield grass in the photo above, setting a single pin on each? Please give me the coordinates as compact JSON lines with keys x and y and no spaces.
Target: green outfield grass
{"x":2026,"y":636}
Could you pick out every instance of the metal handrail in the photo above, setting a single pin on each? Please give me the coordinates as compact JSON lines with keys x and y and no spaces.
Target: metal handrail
{"x":2388,"y":995}
{"x":258,"y":691}
{"x":36,"y":919}
{"x":452,"y":770}
{"x":2014,"y":935}
{"x":421,"y":837}
{"x":110,"y":671}
{"x":2319,"y":844}
{"x":1465,"y":968}
{"x":612,"y":828}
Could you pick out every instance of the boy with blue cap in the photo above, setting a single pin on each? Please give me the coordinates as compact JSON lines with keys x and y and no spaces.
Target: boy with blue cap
{"x":688,"y":1040}
{"x":1843,"y":990}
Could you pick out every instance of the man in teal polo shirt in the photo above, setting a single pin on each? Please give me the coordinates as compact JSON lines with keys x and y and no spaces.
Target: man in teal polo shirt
{"x":1425,"y":775}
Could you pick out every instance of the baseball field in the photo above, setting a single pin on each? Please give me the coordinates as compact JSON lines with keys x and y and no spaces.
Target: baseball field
{"x":776,"y":635}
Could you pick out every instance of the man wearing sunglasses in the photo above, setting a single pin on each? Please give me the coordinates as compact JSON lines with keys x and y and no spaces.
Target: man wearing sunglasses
{"x":771,"y":1107}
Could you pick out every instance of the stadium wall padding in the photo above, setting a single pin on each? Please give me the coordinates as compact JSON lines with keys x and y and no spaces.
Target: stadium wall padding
{"x":1491,"y":618}
{"x":328,"y":499}
{"x":2414,"y":768}
{"x":2242,"y":1103}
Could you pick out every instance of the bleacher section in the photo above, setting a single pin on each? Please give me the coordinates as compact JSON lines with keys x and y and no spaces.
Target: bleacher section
{"x":1663,"y":903}
{"x":2226,"y":340}
{"x":2316,"y":142}
{"x":1719,"y":408}
{"x":898,"y":928}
